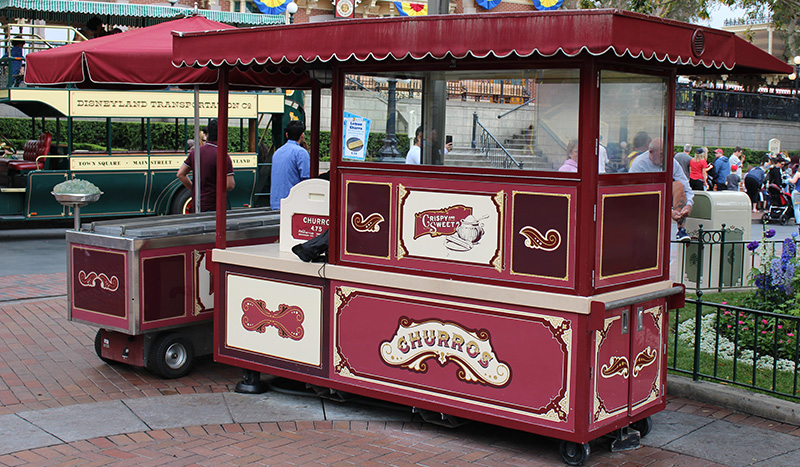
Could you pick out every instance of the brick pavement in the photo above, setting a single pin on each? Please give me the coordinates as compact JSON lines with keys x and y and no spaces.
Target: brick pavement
{"x":47,"y":361}
{"x":346,"y":443}
{"x":32,"y":286}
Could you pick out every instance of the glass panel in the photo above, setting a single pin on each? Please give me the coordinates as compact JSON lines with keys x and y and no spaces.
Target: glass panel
{"x":633,"y":115}
{"x":517,"y":119}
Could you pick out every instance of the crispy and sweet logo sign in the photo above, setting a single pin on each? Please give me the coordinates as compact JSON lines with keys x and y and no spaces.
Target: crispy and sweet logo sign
{"x":415,"y":342}
{"x":439,"y":221}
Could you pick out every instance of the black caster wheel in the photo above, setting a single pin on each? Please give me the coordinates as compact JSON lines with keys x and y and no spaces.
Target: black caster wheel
{"x":98,"y":348}
{"x":171,"y":356}
{"x":784,"y":220}
{"x":643,"y":426}
{"x":574,"y":453}
{"x":765,"y":219}
{"x":251,"y":383}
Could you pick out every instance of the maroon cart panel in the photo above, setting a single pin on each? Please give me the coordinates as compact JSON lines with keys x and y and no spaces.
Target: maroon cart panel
{"x":176,"y":287}
{"x":499,"y":231}
{"x":163,"y":280}
{"x":99,"y":285}
{"x":628,"y":367}
{"x":627,"y":253}
{"x":461,"y":354}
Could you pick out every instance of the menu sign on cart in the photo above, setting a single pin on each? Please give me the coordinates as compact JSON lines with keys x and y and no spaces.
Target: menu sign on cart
{"x":356,"y":135}
{"x":307,"y":226}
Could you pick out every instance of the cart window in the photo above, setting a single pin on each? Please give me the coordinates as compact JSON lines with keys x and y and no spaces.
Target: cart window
{"x":633,"y":116}
{"x":510,"y":119}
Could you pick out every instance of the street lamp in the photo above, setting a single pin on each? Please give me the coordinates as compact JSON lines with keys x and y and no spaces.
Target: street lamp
{"x":292,"y":9}
{"x":796,"y":73}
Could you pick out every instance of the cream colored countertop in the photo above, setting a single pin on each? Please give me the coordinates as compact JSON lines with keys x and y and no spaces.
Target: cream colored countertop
{"x":270,"y":258}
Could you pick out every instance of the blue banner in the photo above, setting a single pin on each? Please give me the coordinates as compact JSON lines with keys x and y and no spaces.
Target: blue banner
{"x":272,"y":7}
{"x":488,"y":4}
{"x":547,"y":4}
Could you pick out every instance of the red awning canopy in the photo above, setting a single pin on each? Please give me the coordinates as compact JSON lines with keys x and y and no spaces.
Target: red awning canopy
{"x":691,"y":49}
{"x":139,"y":57}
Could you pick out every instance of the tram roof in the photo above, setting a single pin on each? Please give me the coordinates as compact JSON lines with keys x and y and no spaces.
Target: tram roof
{"x":689,"y":48}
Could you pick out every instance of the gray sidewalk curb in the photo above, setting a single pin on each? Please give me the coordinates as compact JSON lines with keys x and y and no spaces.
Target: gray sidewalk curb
{"x":733,"y":398}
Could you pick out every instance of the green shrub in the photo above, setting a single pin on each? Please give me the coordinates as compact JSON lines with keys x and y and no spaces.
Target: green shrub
{"x":132,"y":136}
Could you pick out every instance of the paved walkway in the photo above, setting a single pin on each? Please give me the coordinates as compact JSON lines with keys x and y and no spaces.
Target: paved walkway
{"x":60,"y":405}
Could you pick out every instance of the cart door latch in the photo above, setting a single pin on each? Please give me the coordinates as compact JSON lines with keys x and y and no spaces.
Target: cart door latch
{"x":639,"y":318}
{"x":625,"y":319}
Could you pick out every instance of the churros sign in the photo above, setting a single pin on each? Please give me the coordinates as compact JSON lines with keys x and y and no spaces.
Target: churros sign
{"x":416,"y":342}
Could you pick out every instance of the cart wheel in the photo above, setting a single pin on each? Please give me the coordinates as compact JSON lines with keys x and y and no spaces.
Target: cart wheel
{"x":182,"y":202}
{"x":574,"y":453}
{"x":643,"y":426}
{"x":171,"y":356}
{"x":784,"y":219}
{"x":98,"y":349}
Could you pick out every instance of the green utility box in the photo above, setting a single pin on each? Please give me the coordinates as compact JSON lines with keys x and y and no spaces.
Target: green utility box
{"x":722,"y":264}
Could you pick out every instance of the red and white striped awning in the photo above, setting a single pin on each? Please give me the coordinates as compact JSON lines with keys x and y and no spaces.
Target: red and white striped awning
{"x":691,"y":49}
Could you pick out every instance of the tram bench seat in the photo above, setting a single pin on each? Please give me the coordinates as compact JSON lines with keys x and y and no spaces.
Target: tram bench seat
{"x":33,"y":149}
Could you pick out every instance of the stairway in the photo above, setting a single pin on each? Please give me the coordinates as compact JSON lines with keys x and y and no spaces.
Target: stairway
{"x":518,"y":146}
{"x":468,"y":157}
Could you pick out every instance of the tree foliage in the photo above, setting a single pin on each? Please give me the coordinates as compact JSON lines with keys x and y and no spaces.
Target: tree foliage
{"x":785,"y":18}
{"x":785,"y":14}
{"x":682,"y":10}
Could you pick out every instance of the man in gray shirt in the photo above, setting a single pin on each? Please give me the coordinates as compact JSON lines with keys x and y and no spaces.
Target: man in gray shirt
{"x":652,"y":160}
{"x":684,"y":157}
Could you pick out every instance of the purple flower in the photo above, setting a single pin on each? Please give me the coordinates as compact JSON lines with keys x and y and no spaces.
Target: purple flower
{"x":752,"y":245}
{"x":789,"y":249}
{"x":769,"y":233}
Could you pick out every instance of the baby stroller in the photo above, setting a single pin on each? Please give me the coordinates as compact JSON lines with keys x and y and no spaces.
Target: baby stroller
{"x":780,"y":205}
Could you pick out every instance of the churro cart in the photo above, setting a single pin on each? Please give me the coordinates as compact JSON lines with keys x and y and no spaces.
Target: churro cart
{"x":530,"y":291}
{"x":144,"y":284}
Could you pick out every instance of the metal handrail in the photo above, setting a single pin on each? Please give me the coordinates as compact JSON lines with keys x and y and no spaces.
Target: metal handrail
{"x":517,"y":107}
{"x":553,"y":135}
{"x":493,"y":150}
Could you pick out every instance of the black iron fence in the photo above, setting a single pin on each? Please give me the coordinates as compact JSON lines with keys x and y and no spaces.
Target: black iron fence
{"x":753,"y":348}
{"x":735,"y":104}
{"x":756,"y":349}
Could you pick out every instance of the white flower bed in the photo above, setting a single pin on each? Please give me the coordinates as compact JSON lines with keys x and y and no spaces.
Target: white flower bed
{"x":725,"y":348}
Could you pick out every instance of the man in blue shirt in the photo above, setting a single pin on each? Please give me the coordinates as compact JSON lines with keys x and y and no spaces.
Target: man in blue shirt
{"x":291,"y":164}
{"x":723,"y":166}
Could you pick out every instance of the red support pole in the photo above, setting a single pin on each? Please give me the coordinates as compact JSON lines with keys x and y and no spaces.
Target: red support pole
{"x":316,"y":99}
{"x":222,"y":160}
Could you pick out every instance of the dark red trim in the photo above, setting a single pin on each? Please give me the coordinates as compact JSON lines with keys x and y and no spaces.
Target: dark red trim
{"x":316,"y":104}
{"x":222,"y":153}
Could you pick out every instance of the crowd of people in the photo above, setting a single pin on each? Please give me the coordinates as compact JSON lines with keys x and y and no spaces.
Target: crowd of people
{"x":727,"y":173}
